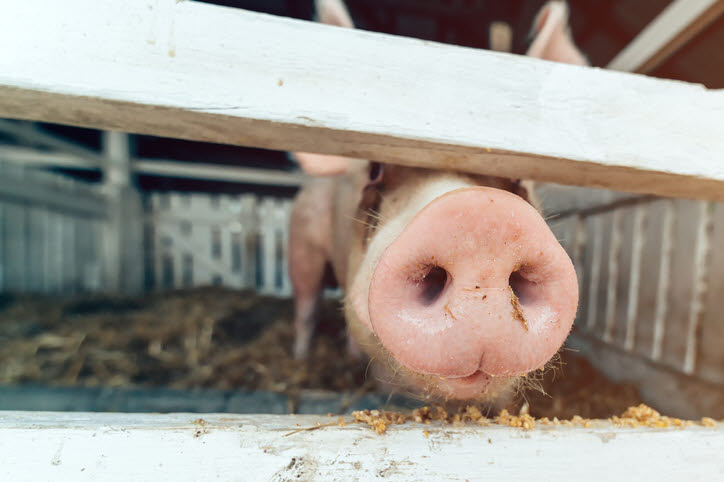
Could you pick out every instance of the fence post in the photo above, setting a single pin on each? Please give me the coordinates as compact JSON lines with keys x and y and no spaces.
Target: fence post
{"x":123,"y":230}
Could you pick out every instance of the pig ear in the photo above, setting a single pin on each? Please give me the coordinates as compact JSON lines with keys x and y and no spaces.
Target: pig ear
{"x":553,"y":36}
{"x":321,"y":164}
{"x":333,"y":12}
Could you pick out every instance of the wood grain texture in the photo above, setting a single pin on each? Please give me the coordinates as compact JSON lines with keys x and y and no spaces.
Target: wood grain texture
{"x":94,"y":446}
{"x":204,"y":72}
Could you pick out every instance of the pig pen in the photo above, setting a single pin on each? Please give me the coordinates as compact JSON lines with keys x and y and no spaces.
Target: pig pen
{"x":214,"y":343}
{"x":151,"y":77}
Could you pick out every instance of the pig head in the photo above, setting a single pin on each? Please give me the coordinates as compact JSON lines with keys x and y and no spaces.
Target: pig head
{"x":453,"y":281}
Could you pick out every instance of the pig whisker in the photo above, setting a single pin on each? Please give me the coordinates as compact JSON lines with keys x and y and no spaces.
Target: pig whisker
{"x":361,"y":221}
{"x":367,"y":368}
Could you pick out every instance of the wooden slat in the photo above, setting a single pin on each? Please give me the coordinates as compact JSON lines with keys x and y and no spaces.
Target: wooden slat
{"x":15,"y":246}
{"x":710,"y":362}
{"x":199,"y":71}
{"x":651,"y":264}
{"x":679,"y":22}
{"x":87,"y":446}
{"x":35,"y":238}
{"x":69,"y":264}
{"x":249,"y":226}
{"x":3,"y":262}
{"x":684,"y":281}
{"x":83,"y":202}
{"x":157,"y":167}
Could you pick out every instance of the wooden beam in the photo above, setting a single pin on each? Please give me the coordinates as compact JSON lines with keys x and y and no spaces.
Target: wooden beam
{"x":65,"y":446}
{"x":677,"y":24}
{"x":158,"y":167}
{"x":199,"y":71}
{"x":57,"y":197}
{"x":31,"y":134}
{"x":122,"y":233}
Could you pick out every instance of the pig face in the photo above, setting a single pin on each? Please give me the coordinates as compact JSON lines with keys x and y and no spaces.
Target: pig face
{"x":453,"y":281}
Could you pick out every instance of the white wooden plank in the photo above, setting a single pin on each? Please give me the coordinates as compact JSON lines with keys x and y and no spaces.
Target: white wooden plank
{"x":678,"y":23}
{"x":35,"y":157}
{"x":292,"y":85}
{"x":84,"y":446}
{"x":248,"y":175}
{"x":84,"y":202}
{"x":158,"y":167}
{"x":33,"y":135}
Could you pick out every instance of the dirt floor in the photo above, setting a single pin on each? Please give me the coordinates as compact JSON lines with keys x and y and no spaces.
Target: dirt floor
{"x":216,"y":338}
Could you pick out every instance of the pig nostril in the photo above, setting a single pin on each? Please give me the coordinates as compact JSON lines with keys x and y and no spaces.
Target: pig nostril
{"x":521,"y":287}
{"x":433,"y":284}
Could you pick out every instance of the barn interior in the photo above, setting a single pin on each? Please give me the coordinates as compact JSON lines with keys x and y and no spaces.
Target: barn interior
{"x":189,"y":308}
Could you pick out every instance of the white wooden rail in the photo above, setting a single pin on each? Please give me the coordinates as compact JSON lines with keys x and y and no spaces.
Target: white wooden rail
{"x":83,"y":446}
{"x":204,"y":72}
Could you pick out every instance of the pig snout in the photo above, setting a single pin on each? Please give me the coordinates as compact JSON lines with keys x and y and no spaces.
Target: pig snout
{"x":476,"y":286}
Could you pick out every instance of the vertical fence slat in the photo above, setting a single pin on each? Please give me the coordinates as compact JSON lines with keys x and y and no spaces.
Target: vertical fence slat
{"x":286,"y":283}
{"x":16,"y":243}
{"x":70,"y":265}
{"x":2,"y":246}
{"x":699,"y":285}
{"x":622,"y":282}
{"x":683,"y":278}
{"x":664,"y":282}
{"x":637,"y":247}
{"x":249,"y":239}
{"x":612,"y":278}
{"x":710,"y":361}
{"x":35,"y":261}
{"x":592,"y":270}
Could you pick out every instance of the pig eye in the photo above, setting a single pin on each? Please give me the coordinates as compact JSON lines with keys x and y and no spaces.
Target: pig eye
{"x":375,"y":172}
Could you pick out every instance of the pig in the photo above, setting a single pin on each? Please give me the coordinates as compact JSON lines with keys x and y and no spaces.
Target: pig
{"x":453,"y":282}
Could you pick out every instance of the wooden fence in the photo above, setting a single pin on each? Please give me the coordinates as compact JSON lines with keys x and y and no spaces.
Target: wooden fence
{"x":651,"y":275}
{"x":50,"y":232}
{"x":54,"y":229}
{"x":198,"y":71}
{"x":235,"y":241}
